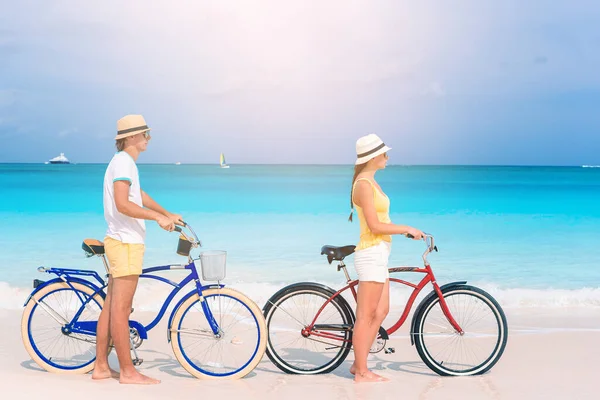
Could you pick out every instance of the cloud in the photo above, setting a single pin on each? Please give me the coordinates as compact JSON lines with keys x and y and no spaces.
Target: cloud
{"x":435,"y":89}
{"x":66,"y":132}
{"x":8,"y":121}
{"x":7,"y":97}
{"x":215,"y":75}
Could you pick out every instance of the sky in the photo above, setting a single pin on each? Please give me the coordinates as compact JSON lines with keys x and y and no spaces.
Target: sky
{"x":271,"y":81}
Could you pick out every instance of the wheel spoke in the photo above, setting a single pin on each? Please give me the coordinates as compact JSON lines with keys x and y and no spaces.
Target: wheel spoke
{"x":289,"y":315}
{"x":55,"y":307}
{"x":223,"y":354}
{"x":473,"y":352}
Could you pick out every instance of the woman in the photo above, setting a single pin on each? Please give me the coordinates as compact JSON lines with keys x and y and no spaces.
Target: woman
{"x":372,"y":252}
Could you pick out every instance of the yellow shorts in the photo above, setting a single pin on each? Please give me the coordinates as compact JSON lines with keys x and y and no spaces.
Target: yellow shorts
{"x":124,"y":259}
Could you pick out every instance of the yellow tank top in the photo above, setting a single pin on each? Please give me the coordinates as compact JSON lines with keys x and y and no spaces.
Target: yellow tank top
{"x":382,"y":206}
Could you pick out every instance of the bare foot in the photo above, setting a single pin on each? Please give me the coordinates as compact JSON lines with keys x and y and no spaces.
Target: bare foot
{"x":369,"y":376}
{"x":137,"y":379}
{"x":104,"y":373}
{"x":353,"y":369}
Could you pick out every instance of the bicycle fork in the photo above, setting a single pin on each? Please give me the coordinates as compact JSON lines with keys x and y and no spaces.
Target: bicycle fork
{"x":444,"y":305}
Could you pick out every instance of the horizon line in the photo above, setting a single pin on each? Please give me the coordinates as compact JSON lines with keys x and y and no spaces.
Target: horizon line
{"x":322,"y":164}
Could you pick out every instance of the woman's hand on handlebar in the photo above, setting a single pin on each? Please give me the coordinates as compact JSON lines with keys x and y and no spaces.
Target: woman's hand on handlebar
{"x":414,"y":233}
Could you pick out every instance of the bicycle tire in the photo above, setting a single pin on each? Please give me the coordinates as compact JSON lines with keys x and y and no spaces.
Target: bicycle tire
{"x":37,"y":355}
{"x":283,"y":361}
{"x":202,"y":371}
{"x":486,"y":301}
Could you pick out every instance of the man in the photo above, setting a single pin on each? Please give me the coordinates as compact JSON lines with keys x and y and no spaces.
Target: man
{"x":126,"y":206}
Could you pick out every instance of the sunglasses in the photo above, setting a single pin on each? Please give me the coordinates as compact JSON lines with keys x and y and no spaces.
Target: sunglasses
{"x":147,"y":135}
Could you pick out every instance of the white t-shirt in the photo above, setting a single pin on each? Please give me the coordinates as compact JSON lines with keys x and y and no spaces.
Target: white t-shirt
{"x":121,"y":227}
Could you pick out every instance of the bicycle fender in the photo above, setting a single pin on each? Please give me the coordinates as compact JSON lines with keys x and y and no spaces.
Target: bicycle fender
{"x":180,"y":302}
{"x":89,"y":284}
{"x":413,"y":324}
{"x":140,"y":328}
{"x":319,"y":285}
{"x":294,"y":285}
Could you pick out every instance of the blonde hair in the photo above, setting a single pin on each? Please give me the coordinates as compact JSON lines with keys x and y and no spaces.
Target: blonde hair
{"x":357,"y":170}
{"x":120,"y":144}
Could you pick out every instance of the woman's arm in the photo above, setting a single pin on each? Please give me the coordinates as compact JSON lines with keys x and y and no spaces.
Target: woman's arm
{"x":363,"y":197}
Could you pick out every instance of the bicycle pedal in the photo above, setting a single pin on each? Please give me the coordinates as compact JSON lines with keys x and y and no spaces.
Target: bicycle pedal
{"x":390,"y":350}
{"x":137,"y":361}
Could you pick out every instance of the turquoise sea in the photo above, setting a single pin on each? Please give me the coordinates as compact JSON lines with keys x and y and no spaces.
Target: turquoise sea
{"x":528,"y":234}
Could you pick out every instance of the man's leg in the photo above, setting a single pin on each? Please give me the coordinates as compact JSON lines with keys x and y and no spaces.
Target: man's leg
{"x":122,"y":298}
{"x":101,"y":368}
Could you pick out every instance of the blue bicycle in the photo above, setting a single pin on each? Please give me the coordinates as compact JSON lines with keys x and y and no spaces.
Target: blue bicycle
{"x":215,"y":332}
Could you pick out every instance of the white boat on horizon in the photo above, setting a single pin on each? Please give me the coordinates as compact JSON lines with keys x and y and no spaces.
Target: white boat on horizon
{"x":222,"y":161}
{"x":61,"y":159}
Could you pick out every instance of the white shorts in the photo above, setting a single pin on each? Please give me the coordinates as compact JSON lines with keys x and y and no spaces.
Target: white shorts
{"x":371,"y":264}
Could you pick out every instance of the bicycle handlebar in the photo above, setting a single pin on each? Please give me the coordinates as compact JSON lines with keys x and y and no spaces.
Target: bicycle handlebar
{"x":194,"y":240}
{"x":428,"y":239}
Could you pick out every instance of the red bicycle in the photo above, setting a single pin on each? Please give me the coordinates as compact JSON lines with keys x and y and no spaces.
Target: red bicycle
{"x":457,"y":329}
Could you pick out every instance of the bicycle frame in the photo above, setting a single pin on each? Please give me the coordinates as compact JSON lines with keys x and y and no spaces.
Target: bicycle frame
{"x":312,"y":329}
{"x":89,"y":327}
{"x":69,"y":276}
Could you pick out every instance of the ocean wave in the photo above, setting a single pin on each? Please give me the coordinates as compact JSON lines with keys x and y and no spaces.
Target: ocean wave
{"x":150,"y":295}
{"x":588,"y":297}
{"x":525,"y":297}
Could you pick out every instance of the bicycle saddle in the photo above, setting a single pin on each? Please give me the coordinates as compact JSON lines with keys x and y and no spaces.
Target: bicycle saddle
{"x":337,"y":253}
{"x":92,"y":247}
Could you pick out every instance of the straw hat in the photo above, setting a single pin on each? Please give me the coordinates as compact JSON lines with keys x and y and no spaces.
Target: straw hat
{"x":131,"y":125}
{"x":369,"y":147}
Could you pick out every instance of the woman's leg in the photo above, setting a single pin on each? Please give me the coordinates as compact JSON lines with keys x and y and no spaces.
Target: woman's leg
{"x":380,"y":313}
{"x":369,"y":298}
{"x":383,"y":308}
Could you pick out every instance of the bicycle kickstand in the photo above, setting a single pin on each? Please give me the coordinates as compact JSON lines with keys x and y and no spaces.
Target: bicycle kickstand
{"x":136,"y":361}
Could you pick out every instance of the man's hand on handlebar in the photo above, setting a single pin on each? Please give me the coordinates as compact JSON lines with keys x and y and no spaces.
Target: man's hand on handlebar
{"x":177,"y":219}
{"x":165,"y":222}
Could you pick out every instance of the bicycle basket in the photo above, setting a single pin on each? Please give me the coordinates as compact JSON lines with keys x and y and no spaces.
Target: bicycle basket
{"x":213,"y":265}
{"x":184,"y":246}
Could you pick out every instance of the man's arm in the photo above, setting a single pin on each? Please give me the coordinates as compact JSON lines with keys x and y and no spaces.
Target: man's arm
{"x":150,"y":203}
{"x":126,"y":207}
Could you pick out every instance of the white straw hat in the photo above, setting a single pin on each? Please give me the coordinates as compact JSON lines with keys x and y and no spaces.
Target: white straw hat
{"x":369,"y":147}
{"x":131,"y":125}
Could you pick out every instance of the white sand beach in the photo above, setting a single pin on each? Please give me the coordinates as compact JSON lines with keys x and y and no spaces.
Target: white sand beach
{"x":551,"y":354}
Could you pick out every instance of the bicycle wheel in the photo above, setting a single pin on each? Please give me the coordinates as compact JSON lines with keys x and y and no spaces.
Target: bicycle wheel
{"x":237,"y":349}
{"x":319,"y":351}
{"x":485,"y":332}
{"x":43,"y":331}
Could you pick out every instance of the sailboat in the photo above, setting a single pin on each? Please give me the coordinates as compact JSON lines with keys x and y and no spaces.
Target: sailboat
{"x":223,"y":164}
